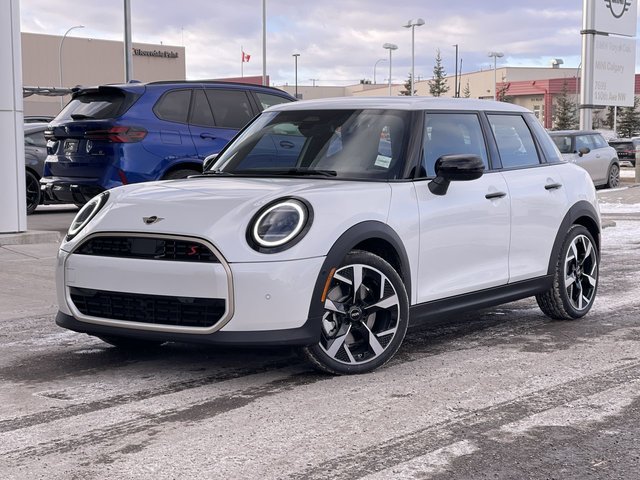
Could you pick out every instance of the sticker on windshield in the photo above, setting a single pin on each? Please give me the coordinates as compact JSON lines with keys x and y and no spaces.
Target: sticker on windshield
{"x":383,"y":161}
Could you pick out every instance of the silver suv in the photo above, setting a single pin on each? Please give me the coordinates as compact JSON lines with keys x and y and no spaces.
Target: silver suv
{"x":590,"y":150}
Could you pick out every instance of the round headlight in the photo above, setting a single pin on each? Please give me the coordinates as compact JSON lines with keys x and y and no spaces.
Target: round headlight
{"x":86,"y":213}
{"x":279,"y":224}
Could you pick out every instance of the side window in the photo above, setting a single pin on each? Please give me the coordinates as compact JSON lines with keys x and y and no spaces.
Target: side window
{"x":452,"y":134}
{"x":35,"y":139}
{"x":231,"y":108}
{"x":200,"y":110}
{"x":514,"y":140}
{"x":266,"y":100}
{"x":584,"y":141}
{"x":563,"y":142}
{"x":173,"y":106}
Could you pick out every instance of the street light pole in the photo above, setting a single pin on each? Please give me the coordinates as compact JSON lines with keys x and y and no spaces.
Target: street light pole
{"x":391,"y":47}
{"x":264,"y":42}
{"x":495,"y":56}
{"x":374,"y":68}
{"x":60,"y":59}
{"x":412,"y":24}
{"x":295,"y":56}
{"x":456,"y":90}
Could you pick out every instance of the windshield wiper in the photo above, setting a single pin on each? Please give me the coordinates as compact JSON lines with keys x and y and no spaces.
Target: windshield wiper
{"x":216,"y":172}
{"x":81,"y":116}
{"x":297,"y":171}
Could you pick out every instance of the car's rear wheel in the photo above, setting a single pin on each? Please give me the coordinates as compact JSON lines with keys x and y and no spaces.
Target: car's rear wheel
{"x":182,"y":173}
{"x":575,"y":280}
{"x":34,"y":195}
{"x":127,"y":343}
{"x":614,"y":176}
{"x":366,"y":313}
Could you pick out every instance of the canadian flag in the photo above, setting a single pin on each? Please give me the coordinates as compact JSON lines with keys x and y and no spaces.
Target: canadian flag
{"x":245,"y":57}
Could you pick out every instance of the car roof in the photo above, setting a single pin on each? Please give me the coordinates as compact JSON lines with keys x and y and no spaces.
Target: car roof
{"x":141,"y":86}
{"x":574,"y":132}
{"x":401,"y":103}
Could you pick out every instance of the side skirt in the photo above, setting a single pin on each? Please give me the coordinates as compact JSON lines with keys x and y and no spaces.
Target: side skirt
{"x":438,"y":311}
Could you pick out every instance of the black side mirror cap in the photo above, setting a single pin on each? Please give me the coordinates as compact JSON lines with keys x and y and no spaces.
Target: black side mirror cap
{"x":455,"y":168}
{"x":583,"y":151}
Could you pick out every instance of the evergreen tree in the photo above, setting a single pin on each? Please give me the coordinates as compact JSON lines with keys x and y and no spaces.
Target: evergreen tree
{"x":609,"y":121}
{"x":407,"y":88}
{"x":438,"y":86}
{"x":565,"y":112}
{"x":466,"y":91}
{"x":629,"y":120}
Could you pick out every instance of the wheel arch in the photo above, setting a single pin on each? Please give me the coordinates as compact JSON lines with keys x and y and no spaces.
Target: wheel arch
{"x":582,"y":213}
{"x":31,"y":170}
{"x":371,"y":236}
{"x":187,"y":165}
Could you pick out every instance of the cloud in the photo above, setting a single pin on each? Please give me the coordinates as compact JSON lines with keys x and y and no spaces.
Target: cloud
{"x":338,"y":41}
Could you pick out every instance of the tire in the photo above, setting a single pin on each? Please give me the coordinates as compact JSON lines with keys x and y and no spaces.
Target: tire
{"x":34,"y":195}
{"x":575,"y":279}
{"x":613,"y":178}
{"x":361,"y":330}
{"x":126,"y":343}
{"x":182,"y":173}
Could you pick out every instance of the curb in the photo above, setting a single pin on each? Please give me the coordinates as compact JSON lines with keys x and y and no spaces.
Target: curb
{"x":29,"y":237}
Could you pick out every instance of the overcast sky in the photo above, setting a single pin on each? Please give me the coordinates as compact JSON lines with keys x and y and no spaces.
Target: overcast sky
{"x":339,"y":41}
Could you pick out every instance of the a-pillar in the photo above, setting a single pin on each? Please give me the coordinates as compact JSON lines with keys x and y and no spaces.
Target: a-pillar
{"x":13,"y":204}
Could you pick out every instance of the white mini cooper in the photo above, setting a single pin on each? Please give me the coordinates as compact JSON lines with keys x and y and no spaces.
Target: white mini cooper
{"x":331,"y":225}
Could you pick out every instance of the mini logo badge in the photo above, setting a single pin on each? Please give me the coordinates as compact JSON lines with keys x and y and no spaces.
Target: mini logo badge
{"x":151,"y":220}
{"x":618,"y":7}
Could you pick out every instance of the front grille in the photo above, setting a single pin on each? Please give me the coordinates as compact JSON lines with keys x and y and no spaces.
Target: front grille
{"x":151,"y":248}
{"x":152,"y":309}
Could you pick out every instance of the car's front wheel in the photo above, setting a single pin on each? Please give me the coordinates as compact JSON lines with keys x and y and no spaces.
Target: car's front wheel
{"x":182,"y":173}
{"x":575,"y":280}
{"x":614,"y":176}
{"x":366,"y":313}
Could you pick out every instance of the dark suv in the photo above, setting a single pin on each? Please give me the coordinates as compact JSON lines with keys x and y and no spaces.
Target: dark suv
{"x":113,"y":135}
{"x":627,"y":149}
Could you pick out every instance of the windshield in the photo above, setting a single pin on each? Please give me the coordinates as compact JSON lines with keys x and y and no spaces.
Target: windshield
{"x":356,"y":144}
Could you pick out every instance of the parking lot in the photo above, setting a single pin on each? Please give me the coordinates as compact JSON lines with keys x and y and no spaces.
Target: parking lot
{"x":501,"y":393}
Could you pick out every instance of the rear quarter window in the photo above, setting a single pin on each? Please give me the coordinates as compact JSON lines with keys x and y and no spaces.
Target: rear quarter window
{"x":173,"y":106}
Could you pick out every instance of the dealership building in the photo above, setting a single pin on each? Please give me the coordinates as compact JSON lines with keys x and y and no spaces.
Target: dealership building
{"x":87,"y":62}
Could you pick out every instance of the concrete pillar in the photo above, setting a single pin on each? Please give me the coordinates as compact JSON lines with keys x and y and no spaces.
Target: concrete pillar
{"x":13,"y":203}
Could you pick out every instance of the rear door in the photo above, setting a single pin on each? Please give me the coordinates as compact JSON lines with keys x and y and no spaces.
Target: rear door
{"x":538,"y":198}
{"x":216,"y":116}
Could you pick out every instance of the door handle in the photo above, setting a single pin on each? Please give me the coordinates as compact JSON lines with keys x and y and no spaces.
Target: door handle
{"x":494,"y":195}
{"x":208,"y":135}
{"x":286,"y":144}
{"x":552,"y":186}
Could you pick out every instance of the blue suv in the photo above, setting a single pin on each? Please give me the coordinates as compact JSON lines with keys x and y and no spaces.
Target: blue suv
{"x":113,"y":135}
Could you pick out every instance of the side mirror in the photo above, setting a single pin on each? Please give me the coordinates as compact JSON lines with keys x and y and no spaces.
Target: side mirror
{"x":209,"y":161}
{"x":455,"y":168}
{"x":583,"y":151}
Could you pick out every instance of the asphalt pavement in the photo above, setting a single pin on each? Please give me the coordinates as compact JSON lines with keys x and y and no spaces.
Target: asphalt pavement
{"x":501,"y":393}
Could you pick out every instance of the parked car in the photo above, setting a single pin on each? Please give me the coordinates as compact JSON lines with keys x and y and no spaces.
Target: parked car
{"x":114,"y":135}
{"x":626,"y":148}
{"x":591,"y":151}
{"x":35,"y":153}
{"x":337,"y":251}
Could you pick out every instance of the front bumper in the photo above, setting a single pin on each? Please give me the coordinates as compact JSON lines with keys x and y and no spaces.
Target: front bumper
{"x":266,"y":302}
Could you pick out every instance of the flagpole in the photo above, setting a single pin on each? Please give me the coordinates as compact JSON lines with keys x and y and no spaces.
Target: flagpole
{"x":264,"y":42}
{"x":241,"y":61}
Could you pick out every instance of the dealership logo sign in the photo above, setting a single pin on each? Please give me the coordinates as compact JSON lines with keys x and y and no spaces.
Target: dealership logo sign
{"x":618,"y":7}
{"x":156,"y":53}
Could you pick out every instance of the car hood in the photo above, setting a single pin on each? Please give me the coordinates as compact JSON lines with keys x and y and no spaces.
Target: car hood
{"x":220,"y":209}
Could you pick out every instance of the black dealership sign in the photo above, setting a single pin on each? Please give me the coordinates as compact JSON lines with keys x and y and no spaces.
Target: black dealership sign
{"x":155,"y":53}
